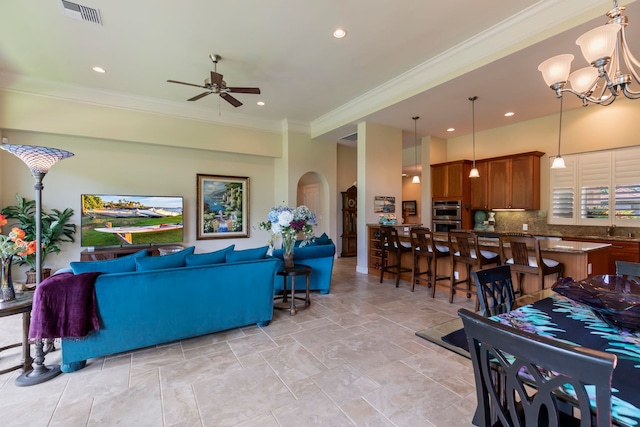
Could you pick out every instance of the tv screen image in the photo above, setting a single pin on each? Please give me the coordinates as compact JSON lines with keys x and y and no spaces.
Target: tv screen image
{"x":122,"y":220}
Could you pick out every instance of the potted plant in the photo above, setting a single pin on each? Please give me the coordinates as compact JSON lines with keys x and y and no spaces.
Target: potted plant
{"x":56,"y":229}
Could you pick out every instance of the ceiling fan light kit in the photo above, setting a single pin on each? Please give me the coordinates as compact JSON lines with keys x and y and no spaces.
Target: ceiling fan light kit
{"x":216,"y":84}
{"x":605,"y":48}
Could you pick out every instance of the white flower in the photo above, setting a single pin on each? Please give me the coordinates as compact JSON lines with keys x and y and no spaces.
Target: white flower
{"x":285,"y":218}
{"x":276,"y":228}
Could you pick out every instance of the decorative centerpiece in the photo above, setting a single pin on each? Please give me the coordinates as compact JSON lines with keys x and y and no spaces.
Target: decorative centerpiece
{"x":13,"y":244}
{"x":388,"y":219}
{"x":289,"y":223}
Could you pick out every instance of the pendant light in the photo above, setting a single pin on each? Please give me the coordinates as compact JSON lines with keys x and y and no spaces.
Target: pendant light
{"x":416,"y":178}
{"x":474,"y":171}
{"x":558,"y":162}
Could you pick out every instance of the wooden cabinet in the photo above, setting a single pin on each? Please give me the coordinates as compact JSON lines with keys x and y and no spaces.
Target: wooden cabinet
{"x":450,"y":180}
{"x":478,"y":199}
{"x":117,"y":252}
{"x":349,"y":222}
{"x":513,"y":182}
{"x":618,"y":251}
{"x":375,"y":249}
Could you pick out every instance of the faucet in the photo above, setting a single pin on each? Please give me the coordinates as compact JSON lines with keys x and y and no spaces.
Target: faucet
{"x":611,"y":229}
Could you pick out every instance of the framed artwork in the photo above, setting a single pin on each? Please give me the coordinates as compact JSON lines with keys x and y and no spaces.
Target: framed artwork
{"x":384,"y":204}
{"x":223,"y":207}
{"x":410,"y":206}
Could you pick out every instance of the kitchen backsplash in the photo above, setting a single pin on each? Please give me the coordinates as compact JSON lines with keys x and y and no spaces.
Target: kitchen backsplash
{"x":537,"y":224}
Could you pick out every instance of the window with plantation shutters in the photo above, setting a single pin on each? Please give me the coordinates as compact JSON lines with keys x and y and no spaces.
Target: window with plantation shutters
{"x":627,"y":185}
{"x":594,"y":175}
{"x":563,"y":192}
{"x":598,"y":188}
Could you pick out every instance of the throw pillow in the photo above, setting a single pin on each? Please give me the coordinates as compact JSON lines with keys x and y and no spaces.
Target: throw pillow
{"x":322,"y":240}
{"x":247,"y":254}
{"x":165,"y":261}
{"x":216,"y":257}
{"x":122,"y":264}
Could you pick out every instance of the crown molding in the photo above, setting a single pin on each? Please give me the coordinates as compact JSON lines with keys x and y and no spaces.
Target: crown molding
{"x":538,"y":22}
{"x":28,"y":85}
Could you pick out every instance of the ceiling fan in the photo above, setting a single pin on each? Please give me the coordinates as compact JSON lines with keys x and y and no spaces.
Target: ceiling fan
{"x":215,"y":84}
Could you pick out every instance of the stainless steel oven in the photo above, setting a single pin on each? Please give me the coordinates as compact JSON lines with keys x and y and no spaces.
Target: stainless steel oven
{"x":446,"y":225}
{"x":450,"y":210}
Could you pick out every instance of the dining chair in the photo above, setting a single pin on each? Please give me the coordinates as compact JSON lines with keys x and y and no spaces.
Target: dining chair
{"x":391,"y":244}
{"x":464,"y":249}
{"x":630,"y":270}
{"x":526,"y":258}
{"x":521,"y":377}
{"x":494,"y":290}
{"x":424,"y":246}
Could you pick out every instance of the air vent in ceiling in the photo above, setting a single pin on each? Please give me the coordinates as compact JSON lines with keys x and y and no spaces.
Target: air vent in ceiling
{"x":83,"y":13}
{"x":353,"y":137}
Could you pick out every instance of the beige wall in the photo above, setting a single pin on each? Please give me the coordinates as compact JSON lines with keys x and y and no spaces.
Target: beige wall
{"x":130,"y":152}
{"x":584,"y":129}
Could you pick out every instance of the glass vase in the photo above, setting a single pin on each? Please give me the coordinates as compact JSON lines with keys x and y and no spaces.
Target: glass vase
{"x":288,"y":243}
{"x":7,"y":293}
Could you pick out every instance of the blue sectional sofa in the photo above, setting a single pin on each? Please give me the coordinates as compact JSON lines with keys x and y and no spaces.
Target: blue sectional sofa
{"x":162,"y":304}
{"x":318,"y":255}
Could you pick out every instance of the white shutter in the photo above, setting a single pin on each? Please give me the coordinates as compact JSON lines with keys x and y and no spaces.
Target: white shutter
{"x":627,"y":186}
{"x":594,"y":178}
{"x":563,"y":192}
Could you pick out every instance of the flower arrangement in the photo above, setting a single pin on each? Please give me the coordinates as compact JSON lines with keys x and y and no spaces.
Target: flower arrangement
{"x":288,"y":222}
{"x":14,"y":243}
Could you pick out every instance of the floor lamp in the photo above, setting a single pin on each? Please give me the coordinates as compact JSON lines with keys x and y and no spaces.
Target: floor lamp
{"x":39,"y":160}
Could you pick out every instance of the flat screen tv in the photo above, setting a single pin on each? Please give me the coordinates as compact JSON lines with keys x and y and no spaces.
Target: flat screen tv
{"x":121,"y":220}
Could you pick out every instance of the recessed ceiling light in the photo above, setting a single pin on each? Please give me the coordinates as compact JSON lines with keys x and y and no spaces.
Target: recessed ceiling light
{"x":99,"y":70}
{"x":339,"y":33}
{"x":451,"y":129}
{"x":509,"y":114}
{"x":260,"y":103}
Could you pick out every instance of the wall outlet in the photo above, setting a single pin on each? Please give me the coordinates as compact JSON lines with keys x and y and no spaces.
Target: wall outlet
{"x":456,"y":275}
{"x":525,"y":227}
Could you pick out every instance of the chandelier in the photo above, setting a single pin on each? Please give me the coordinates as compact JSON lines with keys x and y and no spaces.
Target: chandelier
{"x":606,"y":50}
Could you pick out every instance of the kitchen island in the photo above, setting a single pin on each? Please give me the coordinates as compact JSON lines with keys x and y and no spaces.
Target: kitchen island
{"x":580,"y":259}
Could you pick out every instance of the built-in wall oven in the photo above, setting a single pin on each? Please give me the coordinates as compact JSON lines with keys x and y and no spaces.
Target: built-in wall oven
{"x":447,"y":215}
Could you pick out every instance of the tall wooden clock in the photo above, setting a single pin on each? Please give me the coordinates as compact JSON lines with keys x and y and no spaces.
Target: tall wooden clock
{"x":349,"y":222}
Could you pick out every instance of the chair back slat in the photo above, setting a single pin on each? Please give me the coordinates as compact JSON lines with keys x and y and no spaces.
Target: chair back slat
{"x":421,"y":239}
{"x":494,"y":289}
{"x":520,"y":376}
{"x":464,"y":242}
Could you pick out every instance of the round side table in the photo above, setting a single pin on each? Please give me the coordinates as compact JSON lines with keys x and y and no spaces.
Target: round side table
{"x":284,"y":303}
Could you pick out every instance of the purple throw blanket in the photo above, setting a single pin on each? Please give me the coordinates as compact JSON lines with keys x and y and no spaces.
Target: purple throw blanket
{"x":64,"y":306}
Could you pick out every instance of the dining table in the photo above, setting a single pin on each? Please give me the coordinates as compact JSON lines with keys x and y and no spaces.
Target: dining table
{"x":550,"y":314}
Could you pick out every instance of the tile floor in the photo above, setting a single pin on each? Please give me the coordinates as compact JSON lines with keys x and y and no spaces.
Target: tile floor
{"x":352,"y":359}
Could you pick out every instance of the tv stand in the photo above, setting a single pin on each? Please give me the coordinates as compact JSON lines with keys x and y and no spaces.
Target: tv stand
{"x":117,"y":252}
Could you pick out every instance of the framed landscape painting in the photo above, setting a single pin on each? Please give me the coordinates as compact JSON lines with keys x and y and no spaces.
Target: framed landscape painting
{"x":223,"y":207}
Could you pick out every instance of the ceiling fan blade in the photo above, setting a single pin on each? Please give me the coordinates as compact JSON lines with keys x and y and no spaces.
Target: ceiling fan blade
{"x":202,"y":95}
{"x":188,"y":84}
{"x":231,"y":100}
{"x":216,"y":78}
{"x":253,"y":90}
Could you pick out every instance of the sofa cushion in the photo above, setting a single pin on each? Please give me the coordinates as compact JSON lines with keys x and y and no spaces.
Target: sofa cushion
{"x":322,"y":240}
{"x":122,"y":264}
{"x":174,"y":260}
{"x":247,"y":254}
{"x":309,"y":252}
{"x":216,"y":257}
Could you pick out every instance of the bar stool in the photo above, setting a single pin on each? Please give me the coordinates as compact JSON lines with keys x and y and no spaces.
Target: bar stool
{"x":424,"y":245}
{"x":391,"y":243}
{"x":526,"y":258}
{"x":464,"y":248}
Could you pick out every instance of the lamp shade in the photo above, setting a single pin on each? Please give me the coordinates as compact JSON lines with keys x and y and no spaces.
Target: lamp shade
{"x":584,"y":79}
{"x":38,"y":159}
{"x":555,"y":70}
{"x":599,"y":42}
{"x":474,"y":173}
{"x":558,"y":163}
{"x":416,"y":179}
